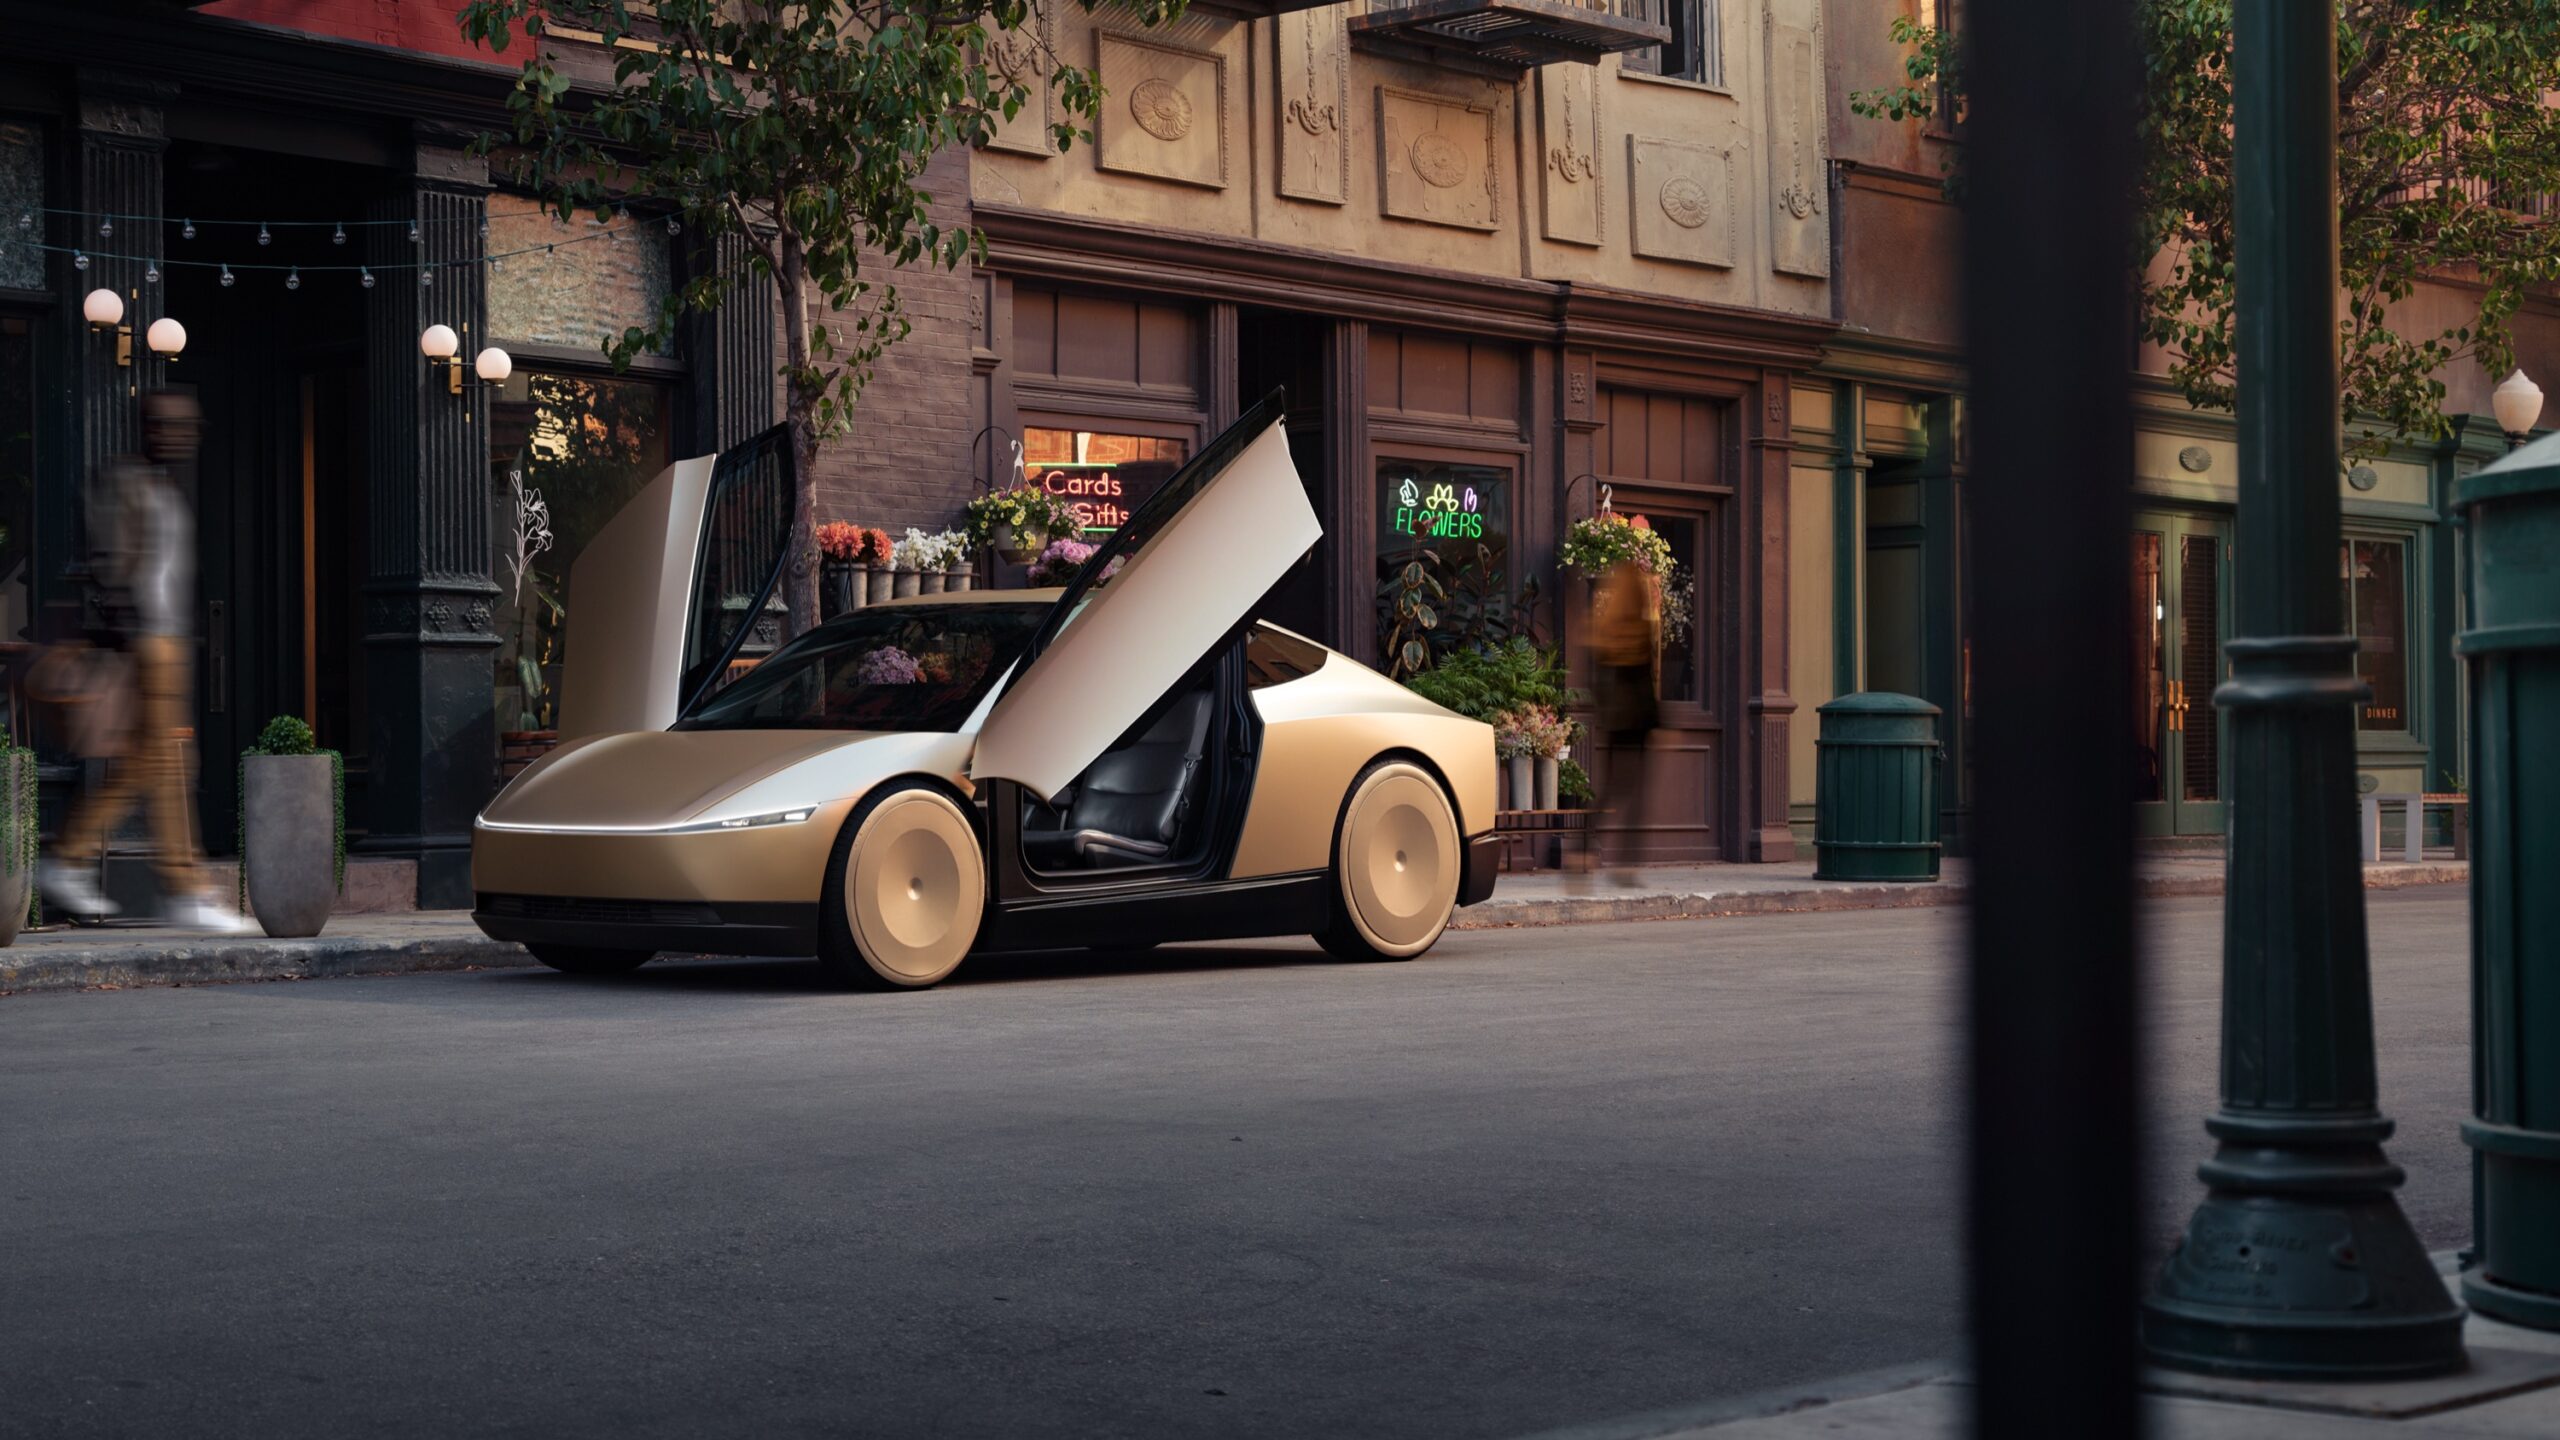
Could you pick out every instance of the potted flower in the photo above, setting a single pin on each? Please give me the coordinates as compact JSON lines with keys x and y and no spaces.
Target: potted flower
{"x":293,"y":829}
{"x":17,"y":835}
{"x":1016,"y":523}
{"x":952,"y":548}
{"x":1537,"y":737}
{"x":907,"y":559}
{"x":1593,"y":547}
{"x":1060,"y":563}
{"x":873,"y":558}
{"x":1517,"y":791}
{"x":842,"y":585}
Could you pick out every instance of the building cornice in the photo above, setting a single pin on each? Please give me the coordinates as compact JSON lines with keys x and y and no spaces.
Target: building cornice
{"x":1047,"y":245}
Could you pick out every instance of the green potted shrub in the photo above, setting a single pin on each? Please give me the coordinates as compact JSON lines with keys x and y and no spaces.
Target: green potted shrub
{"x":293,"y":829}
{"x":1018,"y":523}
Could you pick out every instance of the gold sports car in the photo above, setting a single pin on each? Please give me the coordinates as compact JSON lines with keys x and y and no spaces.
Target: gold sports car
{"x":1135,"y":758}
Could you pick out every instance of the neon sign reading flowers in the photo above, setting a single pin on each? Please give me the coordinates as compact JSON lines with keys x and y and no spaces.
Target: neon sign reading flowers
{"x":1446,"y":511}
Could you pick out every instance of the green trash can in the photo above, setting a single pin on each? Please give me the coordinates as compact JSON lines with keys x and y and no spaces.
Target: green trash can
{"x":1875,"y":791}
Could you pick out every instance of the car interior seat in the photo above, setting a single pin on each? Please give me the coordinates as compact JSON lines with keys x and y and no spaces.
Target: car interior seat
{"x":1128,"y":807}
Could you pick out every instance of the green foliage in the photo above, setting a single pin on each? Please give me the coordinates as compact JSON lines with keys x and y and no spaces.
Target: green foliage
{"x":795,"y":135}
{"x":1485,"y":684}
{"x":291,"y":735}
{"x":18,"y":842}
{"x":1601,"y":543}
{"x":1573,"y":783}
{"x":285,"y":735}
{"x":2446,"y":156}
{"x":1037,"y":515}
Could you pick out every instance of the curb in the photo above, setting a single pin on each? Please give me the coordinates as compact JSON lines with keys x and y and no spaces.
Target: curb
{"x":221,"y":961}
{"x":1500,"y":914}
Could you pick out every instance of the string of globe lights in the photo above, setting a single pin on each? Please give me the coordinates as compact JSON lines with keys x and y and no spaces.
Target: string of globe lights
{"x":104,"y":309}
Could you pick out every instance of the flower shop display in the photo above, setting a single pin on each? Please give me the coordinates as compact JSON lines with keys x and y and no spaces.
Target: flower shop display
{"x":872,"y":551}
{"x":1016,"y":523}
{"x":1534,"y":734}
{"x":924,"y":562}
{"x":1060,"y":562}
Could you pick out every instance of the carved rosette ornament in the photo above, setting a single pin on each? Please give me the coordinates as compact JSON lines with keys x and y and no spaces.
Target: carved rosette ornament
{"x":1439,"y":160}
{"x":1686,"y":202}
{"x":1161,"y":109}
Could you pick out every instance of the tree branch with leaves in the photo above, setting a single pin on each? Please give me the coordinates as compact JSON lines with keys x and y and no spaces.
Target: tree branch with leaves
{"x":2448,"y":171}
{"x":795,"y":134}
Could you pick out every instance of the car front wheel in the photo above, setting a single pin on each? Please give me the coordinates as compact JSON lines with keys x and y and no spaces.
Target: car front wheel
{"x":906,"y":887}
{"x":1396,"y":863}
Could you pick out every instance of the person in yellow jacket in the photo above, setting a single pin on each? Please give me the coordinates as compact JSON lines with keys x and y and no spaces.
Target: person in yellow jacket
{"x":1626,"y":664}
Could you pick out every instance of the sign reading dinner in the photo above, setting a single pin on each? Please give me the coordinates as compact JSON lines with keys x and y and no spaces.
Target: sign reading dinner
{"x":1103,"y":477}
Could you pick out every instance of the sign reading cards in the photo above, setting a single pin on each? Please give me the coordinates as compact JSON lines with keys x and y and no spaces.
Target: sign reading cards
{"x":1103,"y":476}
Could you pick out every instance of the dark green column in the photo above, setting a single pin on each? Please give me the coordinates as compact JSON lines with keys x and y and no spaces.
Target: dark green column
{"x":2511,"y":647}
{"x":2299,"y":1262}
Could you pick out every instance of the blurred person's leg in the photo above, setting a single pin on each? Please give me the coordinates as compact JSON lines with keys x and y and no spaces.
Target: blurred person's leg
{"x":69,"y":881}
{"x":168,"y":705}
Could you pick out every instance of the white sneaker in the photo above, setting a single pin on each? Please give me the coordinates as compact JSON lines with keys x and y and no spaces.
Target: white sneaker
{"x":73,"y":891}
{"x":209,"y":917}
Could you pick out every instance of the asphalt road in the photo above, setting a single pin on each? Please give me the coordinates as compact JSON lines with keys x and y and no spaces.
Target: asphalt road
{"x":1538,"y":1177}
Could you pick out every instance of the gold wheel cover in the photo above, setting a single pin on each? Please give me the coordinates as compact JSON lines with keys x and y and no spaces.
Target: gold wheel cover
{"x":1399,"y":860}
{"x":915,"y":887}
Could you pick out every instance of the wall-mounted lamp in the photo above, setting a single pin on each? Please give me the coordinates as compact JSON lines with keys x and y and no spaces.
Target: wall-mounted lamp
{"x":166,"y":337}
{"x":443,"y":347}
{"x":104,"y":310}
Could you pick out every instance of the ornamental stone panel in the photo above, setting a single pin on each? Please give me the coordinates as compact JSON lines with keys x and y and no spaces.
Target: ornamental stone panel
{"x":1682,"y":202}
{"x":1164,"y":111}
{"x":1437,"y":160}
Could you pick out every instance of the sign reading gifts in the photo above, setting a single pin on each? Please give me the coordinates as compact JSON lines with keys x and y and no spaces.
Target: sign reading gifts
{"x":1103,"y":476}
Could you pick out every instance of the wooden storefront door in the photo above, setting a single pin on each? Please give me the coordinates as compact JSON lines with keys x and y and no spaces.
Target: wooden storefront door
{"x":2182,"y":589}
{"x":1676,"y":819}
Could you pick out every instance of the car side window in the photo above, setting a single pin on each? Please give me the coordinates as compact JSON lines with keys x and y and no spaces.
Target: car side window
{"x":1276,"y":657}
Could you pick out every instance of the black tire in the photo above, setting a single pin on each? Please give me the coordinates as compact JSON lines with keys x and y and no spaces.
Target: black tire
{"x":589,"y":960}
{"x":842,"y":953}
{"x":1435,"y":842}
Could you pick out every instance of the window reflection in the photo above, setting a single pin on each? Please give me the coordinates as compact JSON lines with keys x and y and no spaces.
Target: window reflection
{"x":593,"y":444}
{"x":2371,"y":573}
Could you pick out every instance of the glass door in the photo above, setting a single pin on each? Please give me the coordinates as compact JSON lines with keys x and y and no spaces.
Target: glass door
{"x":2182,"y":587}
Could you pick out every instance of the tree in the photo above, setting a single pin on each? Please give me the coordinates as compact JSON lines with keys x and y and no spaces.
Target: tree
{"x":797,"y":132}
{"x":2448,"y":170}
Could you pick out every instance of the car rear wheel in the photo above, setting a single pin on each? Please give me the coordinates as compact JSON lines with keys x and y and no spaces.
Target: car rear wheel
{"x":906,"y":888}
{"x":589,"y":960}
{"x":1396,"y":862}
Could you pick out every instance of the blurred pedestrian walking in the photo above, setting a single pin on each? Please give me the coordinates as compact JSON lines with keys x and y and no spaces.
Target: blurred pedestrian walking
{"x":142,"y":550}
{"x":1626,"y":644}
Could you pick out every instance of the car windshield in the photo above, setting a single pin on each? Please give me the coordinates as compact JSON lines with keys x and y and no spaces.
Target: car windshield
{"x":889,"y":667}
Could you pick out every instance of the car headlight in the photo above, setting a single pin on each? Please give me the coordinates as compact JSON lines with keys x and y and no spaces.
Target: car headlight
{"x":750,"y":822}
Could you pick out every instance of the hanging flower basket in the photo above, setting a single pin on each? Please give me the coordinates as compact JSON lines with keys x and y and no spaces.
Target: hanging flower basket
{"x":1017,"y":523}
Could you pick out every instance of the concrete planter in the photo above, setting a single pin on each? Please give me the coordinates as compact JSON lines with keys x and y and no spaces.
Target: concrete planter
{"x":1524,"y":795}
{"x":291,"y":830}
{"x":882,"y":584}
{"x":956,"y":578}
{"x":930,"y":582}
{"x":904,"y":583}
{"x":17,"y":876}
{"x":1549,"y":771}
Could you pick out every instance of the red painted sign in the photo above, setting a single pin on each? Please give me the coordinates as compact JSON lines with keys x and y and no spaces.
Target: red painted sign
{"x":424,"y":27}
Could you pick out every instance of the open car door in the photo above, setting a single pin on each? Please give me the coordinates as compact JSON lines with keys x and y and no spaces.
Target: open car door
{"x":1161,"y":592}
{"x":672,"y":587}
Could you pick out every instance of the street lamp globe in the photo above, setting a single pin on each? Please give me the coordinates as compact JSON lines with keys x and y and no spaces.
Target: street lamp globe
{"x":438,"y":342}
{"x":166,"y":337}
{"x":2518,"y":403}
{"x":102,"y":307}
{"x":493,"y":365}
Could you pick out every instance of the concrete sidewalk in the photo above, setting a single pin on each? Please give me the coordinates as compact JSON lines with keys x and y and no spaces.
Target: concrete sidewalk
{"x":1689,"y":892}
{"x":80,"y":957}
{"x":2511,"y":1391}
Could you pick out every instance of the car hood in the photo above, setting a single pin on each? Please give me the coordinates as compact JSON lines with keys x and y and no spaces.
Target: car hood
{"x":649,"y":778}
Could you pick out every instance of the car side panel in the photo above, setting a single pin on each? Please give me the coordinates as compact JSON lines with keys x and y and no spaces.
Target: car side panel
{"x":1317,"y":735}
{"x":767,"y":864}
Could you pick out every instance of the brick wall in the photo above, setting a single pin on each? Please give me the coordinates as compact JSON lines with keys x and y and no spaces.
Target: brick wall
{"x":906,"y":461}
{"x":424,"y":26}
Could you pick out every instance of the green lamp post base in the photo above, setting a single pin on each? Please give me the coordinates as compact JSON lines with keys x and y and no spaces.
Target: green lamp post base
{"x":2299,"y":1265}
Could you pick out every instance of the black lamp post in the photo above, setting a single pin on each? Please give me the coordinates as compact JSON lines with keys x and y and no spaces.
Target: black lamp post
{"x":2299,"y":1262}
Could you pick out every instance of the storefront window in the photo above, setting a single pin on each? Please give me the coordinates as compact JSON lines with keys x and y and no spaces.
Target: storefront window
{"x":601,"y":278}
{"x":1444,"y":561}
{"x":1104,"y":475}
{"x":594,"y":442}
{"x":2373,"y":575}
{"x":21,"y":194}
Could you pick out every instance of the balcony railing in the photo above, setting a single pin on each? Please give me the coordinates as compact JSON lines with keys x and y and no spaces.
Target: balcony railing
{"x":1505,"y":37}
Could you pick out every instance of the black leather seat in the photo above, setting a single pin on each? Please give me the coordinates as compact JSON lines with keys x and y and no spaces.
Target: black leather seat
{"x":1128,"y":806}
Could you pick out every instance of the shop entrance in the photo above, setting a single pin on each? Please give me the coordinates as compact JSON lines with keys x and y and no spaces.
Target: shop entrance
{"x":2181,"y":592}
